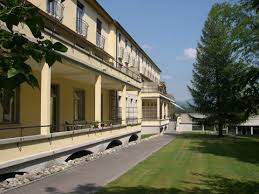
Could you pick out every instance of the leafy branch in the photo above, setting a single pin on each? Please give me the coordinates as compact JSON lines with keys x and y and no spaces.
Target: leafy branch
{"x":16,"y":49}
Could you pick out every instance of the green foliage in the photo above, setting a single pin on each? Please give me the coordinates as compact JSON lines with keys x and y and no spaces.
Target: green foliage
{"x":16,"y":48}
{"x":224,"y":88}
{"x":242,"y":22}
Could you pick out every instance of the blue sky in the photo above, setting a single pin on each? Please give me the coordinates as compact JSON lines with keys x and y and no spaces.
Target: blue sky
{"x":168,"y":30}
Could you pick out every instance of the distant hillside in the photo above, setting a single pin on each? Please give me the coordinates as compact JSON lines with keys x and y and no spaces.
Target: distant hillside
{"x":184,"y":105}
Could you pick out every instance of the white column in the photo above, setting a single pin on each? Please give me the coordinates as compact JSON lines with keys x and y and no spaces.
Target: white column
{"x":158,"y":108}
{"x":166,"y":110}
{"x":139,"y":107}
{"x":226,"y":130}
{"x":215,"y":129}
{"x":98,"y":98}
{"x":203,"y":128}
{"x":123,"y":104}
{"x":236,"y":130}
{"x":45,"y":102}
{"x":252,"y":130}
{"x":163,"y":110}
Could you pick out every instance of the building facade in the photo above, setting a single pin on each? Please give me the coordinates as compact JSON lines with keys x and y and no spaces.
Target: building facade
{"x":188,"y":122}
{"x":94,"y":96}
{"x":156,"y":103}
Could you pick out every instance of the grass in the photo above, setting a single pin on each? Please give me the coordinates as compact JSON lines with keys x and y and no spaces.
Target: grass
{"x":195,"y":164}
{"x":146,"y":136}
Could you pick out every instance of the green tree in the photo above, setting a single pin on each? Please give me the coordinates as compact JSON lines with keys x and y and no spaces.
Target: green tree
{"x":223,"y":88}
{"x":16,"y":48}
{"x":242,"y":21}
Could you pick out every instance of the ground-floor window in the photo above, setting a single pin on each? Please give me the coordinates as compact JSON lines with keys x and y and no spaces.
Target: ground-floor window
{"x":149,"y":110}
{"x":9,"y":106}
{"x":79,"y":105}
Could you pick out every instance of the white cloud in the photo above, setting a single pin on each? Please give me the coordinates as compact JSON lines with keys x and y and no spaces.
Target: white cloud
{"x":166,"y":77}
{"x":147,"y":47}
{"x":188,"y":54}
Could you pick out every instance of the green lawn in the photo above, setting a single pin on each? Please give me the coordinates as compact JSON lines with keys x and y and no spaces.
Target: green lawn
{"x":196,"y":164}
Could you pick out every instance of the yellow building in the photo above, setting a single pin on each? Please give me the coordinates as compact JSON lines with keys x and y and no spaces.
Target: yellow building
{"x":94,"y":97}
{"x":156,"y":102}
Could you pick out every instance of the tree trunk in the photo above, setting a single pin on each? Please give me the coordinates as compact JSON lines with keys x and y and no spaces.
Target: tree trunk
{"x":220,"y":134}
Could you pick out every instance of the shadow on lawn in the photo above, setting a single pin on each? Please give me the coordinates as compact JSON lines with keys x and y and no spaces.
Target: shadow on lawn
{"x":242,"y":149}
{"x":207,"y":184}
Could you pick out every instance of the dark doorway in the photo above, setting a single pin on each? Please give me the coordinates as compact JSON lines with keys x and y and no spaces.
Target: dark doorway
{"x":55,"y":108}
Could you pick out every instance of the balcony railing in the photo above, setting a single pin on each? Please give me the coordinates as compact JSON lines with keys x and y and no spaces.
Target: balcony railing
{"x":127,"y":57}
{"x":150,"y":87}
{"x":100,"y":40}
{"x":56,"y":9}
{"x":121,"y":52}
{"x":154,"y":87}
{"x":25,"y":131}
{"x":82,"y":27}
{"x":127,"y":71}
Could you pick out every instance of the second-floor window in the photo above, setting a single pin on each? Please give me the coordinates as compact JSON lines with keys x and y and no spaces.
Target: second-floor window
{"x":79,"y":17}
{"x":119,"y":37}
{"x":99,"y":26}
{"x":55,"y":8}
{"x":100,"y":39}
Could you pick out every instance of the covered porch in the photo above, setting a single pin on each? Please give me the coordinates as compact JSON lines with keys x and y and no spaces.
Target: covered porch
{"x":76,"y":108}
{"x":71,"y":97}
{"x":155,"y":113}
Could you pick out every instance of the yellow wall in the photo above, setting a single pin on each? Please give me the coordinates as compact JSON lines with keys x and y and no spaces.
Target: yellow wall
{"x":90,"y":16}
{"x":30,"y":106}
{"x":12,"y":151}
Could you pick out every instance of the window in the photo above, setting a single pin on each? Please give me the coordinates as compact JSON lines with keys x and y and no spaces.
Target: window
{"x":79,"y":17}
{"x":119,"y":37}
{"x":51,"y":7}
{"x":9,"y":107}
{"x":79,"y":105}
{"x":126,"y":43}
{"x":99,"y":26}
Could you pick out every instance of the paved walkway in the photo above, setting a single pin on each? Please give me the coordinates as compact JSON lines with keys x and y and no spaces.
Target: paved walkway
{"x":91,"y":176}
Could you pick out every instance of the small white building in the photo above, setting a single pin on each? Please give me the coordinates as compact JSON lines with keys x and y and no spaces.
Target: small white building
{"x":188,"y":122}
{"x":250,"y":127}
{"x":185,"y":122}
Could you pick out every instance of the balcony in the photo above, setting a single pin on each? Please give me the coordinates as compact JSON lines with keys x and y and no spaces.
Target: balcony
{"x":122,"y":68}
{"x":121,"y":53}
{"x":127,"y":57}
{"x":56,"y":9}
{"x":150,"y":87}
{"x":100,"y":40}
{"x":133,"y":62}
{"x":82,"y":27}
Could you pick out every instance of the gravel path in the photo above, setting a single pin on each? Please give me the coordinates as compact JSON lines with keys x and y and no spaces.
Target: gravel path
{"x":89,"y":177}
